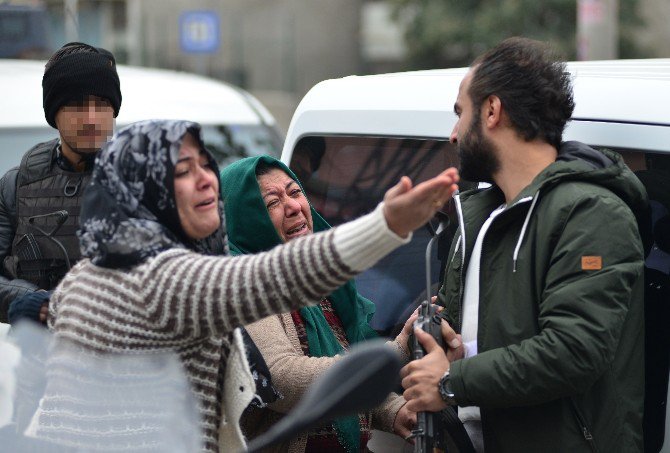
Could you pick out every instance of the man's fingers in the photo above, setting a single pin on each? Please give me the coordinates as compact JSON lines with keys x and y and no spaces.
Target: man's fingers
{"x":414,"y":405}
{"x":407,"y":369}
{"x":449,"y":335}
{"x":426,"y":340}
{"x":410,"y":368}
{"x":458,"y":353}
{"x":420,"y":404}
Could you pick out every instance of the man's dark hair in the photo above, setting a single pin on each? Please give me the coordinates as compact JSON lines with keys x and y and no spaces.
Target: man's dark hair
{"x":534,"y":87}
{"x":69,"y":49}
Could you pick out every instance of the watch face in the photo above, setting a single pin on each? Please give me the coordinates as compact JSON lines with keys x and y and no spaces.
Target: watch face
{"x":445,"y":390}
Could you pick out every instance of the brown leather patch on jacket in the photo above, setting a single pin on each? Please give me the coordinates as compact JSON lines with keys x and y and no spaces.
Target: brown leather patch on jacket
{"x":592,"y":263}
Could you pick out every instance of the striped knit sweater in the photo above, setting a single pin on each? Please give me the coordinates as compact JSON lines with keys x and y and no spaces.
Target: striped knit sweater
{"x":187,"y":303}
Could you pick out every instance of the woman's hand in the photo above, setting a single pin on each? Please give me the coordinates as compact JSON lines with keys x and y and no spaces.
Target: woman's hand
{"x":406,"y":208}
{"x":404,"y":422}
{"x":403,"y":337}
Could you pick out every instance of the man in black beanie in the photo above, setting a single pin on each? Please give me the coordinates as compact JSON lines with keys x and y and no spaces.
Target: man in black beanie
{"x":40,"y":199}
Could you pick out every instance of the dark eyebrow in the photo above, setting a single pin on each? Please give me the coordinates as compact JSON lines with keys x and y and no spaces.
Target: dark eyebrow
{"x":289,"y":184}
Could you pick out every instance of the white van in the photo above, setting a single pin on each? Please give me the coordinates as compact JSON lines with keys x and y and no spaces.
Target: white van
{"x":363,"y":133}
{"x":234,"y":123}
{"x":350,"y":139}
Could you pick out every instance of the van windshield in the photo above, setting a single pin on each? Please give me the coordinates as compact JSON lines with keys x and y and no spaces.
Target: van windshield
{"x":346,"y":177}
{"x":229,"y":142}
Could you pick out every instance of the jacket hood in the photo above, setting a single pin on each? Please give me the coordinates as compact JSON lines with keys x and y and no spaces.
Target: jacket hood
{"x":579,"y":162}
{"x":575,"y":162}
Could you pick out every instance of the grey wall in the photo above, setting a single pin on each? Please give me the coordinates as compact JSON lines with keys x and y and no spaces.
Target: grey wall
{"x":286,"y":45}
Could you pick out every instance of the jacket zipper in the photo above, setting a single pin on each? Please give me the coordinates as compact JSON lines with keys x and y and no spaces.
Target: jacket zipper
{"x":461,"y":224}
{"x":461,"y":284}
{"x":583,"y":427}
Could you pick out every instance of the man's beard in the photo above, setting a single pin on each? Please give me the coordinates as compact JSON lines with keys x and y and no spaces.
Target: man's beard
{"x":477,"y":155}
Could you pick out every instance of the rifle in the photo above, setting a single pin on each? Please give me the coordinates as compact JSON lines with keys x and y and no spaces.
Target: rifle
{"x":30,"y":263}
{"x":428,"y":434}
{"x":435,"y":431}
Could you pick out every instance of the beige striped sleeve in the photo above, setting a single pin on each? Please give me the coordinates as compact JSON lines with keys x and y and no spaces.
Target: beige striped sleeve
{"x":201,"y":295}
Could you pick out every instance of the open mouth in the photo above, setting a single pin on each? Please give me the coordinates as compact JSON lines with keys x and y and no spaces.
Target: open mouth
{"x":206,"y":203}
{"x":297,"y":230}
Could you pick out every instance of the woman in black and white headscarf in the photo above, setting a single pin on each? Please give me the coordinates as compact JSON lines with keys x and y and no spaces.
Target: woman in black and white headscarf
{"x":152,"y":223}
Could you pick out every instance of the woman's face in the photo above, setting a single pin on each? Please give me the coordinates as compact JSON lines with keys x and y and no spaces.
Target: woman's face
{"x":196,"y":188}
{"x":286,"y":203}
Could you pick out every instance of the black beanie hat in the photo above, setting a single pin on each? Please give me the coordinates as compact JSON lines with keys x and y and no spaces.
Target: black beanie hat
{"x":77,"y":75}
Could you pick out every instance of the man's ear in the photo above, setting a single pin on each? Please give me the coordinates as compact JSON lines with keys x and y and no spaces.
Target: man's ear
{"x":492,"y":111}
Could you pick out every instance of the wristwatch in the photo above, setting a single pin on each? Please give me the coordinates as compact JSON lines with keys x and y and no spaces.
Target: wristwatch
{"x":444,"y":387}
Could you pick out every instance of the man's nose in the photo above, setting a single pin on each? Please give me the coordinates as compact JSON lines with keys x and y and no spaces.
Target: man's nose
{"x":453,"y":137}
{"x":91,"y":111}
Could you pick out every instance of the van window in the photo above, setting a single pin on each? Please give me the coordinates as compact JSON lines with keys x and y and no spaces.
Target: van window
{"x":229,"y":142}
{"x":346,"y":177}
{"x":653,"y":170}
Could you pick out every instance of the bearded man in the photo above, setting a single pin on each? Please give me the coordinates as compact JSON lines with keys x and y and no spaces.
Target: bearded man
{"x":543,"y":290}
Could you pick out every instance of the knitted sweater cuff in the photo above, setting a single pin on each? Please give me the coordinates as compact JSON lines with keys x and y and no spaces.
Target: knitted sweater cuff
{"x":364,"y":241}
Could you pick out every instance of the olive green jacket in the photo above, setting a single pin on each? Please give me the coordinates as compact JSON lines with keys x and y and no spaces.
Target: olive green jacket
{"x":560,"y":364}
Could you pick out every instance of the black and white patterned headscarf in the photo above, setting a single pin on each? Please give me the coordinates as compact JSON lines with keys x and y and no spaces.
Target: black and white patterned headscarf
{"x":129,"y":211}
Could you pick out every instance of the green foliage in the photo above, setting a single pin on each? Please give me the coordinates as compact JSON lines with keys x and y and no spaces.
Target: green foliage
{"x":449,"y":33}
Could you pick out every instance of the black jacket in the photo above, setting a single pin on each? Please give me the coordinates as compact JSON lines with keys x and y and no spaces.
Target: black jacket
{"x":10,"y":289}
{"x":51,"y":164}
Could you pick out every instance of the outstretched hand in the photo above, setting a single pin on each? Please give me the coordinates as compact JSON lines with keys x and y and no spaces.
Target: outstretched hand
{"x":406,"y":208}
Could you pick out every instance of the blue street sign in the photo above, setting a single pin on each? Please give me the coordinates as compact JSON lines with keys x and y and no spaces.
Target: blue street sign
{"x":199,"y":31}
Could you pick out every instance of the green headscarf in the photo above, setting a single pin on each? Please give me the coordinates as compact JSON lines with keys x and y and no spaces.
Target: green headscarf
{"x":250,"y":230}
